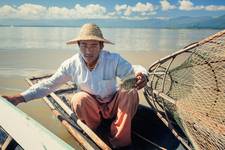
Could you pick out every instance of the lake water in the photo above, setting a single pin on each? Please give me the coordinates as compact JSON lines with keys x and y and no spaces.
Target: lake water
{"x":125,"y":39}
{"x":28,"y":51}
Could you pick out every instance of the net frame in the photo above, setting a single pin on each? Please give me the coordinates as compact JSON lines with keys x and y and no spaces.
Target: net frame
{"x":157,"y":97}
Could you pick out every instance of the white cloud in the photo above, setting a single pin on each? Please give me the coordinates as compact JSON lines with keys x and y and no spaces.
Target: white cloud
{"x":120,"y":8}
{"x":31,"y":11}
{"x":166,"y":5}
{"x":128,"y":11}
{"x":137,"y":11}
{"x":140,"y":10}
{"x":187,"y":5}
{"x":90,"y":11}
{"x":140,"y":7}
{"x":57,"y":13}
{"x":7,"y":11}
{"x":215,"y":8}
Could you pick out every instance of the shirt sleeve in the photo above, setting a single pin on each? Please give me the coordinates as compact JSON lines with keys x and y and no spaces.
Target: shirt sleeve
{"x":47,"y":86}
{"x":124,"y":68}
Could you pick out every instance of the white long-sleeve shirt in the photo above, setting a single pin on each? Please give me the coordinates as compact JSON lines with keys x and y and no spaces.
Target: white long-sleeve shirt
{"x":101,"y":81}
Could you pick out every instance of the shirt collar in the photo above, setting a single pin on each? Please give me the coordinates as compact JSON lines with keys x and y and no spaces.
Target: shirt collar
{"x":100,"y":58}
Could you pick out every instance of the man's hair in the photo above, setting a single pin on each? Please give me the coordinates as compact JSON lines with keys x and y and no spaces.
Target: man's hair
{"x":100,"y":42}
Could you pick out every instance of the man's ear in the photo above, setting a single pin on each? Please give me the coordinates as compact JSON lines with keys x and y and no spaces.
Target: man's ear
{"x":101,"y":45}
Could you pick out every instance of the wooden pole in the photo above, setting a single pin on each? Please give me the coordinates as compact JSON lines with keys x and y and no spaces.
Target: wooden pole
{"x":83,"y":142}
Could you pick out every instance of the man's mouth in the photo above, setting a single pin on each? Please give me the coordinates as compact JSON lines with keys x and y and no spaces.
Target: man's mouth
{"x":88,"y":56}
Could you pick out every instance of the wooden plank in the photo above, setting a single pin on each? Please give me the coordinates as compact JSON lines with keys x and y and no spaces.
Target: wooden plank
{"x":41,"y":77}
{"x":9,"y":144}
{"x":27,"y":132}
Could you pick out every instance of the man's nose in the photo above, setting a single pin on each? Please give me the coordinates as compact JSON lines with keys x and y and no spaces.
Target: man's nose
{"x":88,"y":50}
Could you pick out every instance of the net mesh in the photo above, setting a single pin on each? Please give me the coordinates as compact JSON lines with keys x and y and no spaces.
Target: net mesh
{"x":196,"y":84}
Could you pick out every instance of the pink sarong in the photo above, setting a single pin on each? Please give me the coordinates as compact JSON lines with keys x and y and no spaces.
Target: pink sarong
{"x":123,"y":105}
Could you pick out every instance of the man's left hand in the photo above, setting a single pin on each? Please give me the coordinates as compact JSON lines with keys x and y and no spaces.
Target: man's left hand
{"x":141,"y":80}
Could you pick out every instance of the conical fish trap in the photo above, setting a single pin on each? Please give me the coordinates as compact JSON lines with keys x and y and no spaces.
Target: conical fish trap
{"x":187,"y":89}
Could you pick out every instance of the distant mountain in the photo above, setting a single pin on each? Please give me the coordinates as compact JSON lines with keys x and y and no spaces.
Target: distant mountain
{"x":185,"y":22}
{"x":218,"y":23}
{"x":180,"y":22}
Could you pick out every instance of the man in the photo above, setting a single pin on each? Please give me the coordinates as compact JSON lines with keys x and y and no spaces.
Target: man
{"x":94,"y":71}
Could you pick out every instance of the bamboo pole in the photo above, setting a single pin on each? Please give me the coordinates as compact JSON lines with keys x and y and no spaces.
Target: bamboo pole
{"x":147,"y":140}
{"x":164,"y":96}
{"x":73,"y":131}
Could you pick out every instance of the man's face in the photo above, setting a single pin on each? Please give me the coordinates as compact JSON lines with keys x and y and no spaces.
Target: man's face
{"x":90,"y":50}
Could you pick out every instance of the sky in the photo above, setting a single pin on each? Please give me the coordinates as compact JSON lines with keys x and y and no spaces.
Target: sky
{"x":109,"y":9}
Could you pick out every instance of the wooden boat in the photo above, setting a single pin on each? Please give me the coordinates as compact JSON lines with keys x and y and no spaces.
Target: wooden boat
{"x":26,"y":131}
{"x":148,"y":131}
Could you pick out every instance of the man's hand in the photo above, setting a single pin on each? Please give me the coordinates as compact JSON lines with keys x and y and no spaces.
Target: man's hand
{"x":141,"y":80}
{"x":15,"y":100}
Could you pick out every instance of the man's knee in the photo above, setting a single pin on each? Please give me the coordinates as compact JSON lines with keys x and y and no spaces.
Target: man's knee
{"x":79,"y":100}
{"x":130,"y":95}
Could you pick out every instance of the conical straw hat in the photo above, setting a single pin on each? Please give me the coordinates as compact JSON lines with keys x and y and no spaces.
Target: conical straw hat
{"x":89,"y":32}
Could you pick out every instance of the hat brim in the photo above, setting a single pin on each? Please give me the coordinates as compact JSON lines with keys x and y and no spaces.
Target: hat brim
{"x":76,"y":40}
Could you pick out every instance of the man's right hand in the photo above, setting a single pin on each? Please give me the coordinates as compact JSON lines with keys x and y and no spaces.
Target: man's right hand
{"x":15,"y":100}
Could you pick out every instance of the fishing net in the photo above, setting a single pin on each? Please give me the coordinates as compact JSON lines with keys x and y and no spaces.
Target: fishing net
{"x":187,"y":89}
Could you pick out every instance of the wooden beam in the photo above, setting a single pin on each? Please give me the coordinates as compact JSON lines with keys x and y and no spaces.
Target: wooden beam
{"x":9,"y":144}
